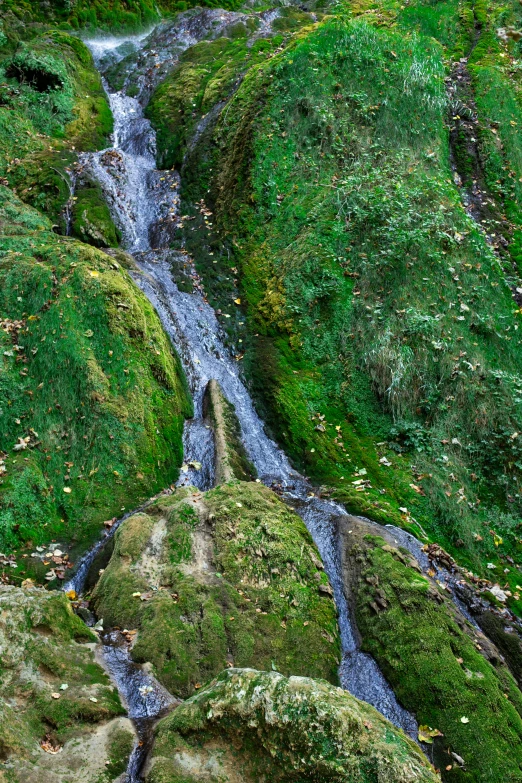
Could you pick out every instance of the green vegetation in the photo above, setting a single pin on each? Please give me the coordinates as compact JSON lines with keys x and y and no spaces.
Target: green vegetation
{"x":52,"y":105}
{"x":235,"y":580}
{"x":381,"y":335}
{"x":259,"y":726}
{"x":42,"y":648}
{"x":92,"y":396}
{"x":121,"y":16}
{"x":91,"y":219}
{"x":436,"y":667}
{"x":208,"y":73}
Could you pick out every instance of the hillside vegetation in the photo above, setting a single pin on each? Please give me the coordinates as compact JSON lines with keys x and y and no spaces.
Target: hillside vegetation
{"x":92,"y":396}
{"x":378,"y":319}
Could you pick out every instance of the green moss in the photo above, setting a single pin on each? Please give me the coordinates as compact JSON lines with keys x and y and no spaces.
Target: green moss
{"x":436,"y":668}
{"x":96,"y":379}
{"x":257,"y":726}
{"x":236,"y":580}
{"x":91,"y":219}
{"x":41,"y":649}
{"x":207,"y":74}
{"x":120,"y":748}
{"x":361,"y":304}
{"x":507,"y":641}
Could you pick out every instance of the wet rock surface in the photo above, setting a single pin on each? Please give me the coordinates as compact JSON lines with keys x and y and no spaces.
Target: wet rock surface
{"x":259,"y":726}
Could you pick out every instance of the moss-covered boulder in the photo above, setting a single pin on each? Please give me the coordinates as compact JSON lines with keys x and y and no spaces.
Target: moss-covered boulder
{"x":229,"y":577}
{"x":441,"y":668}
{"x":259,"y":726}
{"x":232,"y":461}
{"x":92,"y":395}
{"x":91,"y":219}
{"x":58,"y":710}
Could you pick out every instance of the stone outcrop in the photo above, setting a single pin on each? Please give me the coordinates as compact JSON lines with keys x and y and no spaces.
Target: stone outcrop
{"x":260,"y":726}
{"x":60,"y":718}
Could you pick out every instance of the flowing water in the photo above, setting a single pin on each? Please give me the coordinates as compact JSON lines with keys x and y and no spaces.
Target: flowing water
{"x":144,"y":203}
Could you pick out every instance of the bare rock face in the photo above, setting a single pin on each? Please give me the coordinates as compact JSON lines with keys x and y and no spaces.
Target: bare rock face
{"x":260,"y":726}
{"x":60,"y":718}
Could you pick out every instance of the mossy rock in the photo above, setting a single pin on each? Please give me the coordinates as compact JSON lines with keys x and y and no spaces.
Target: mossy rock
{"x":91,"y":218}
{"x":229,"y":577}
{"x":96,"y":387}
{"x":232,"y":461}
{"x":52,"y":106}
{"x":441,"y":669}
{"x":52,"y":690}
{"x":259,"y":726}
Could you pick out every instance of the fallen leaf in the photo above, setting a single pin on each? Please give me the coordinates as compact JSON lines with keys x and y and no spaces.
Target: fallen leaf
{"x":426,"y":734}
{"x":67,"y":490}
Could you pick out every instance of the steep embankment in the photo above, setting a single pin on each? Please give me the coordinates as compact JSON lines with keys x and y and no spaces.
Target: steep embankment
{"x":92,"y":395}
{"x":378,"y":326}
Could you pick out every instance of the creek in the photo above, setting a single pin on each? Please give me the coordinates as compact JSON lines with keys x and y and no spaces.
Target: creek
{"x":144,"y":203}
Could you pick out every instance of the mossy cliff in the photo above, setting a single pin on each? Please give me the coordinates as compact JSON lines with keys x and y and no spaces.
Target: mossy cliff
{"x":440,"y":667}
{"x":54,"y":696}
{"x":259,"y":726}
{"x":380,"y":334}
{"x":228,"y":577}
{"x":92,"y":394}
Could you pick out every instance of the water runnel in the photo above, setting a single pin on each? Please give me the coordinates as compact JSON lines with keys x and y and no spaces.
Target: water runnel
{"x":145,"y":209}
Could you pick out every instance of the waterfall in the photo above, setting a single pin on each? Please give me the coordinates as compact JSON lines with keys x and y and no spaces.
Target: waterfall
{"x":144,"y":204}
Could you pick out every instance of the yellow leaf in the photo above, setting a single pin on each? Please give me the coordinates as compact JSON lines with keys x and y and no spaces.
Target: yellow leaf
{"x":426,"y":734}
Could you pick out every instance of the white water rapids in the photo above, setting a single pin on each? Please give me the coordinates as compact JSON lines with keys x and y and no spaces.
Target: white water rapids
{"x":144,"y":205}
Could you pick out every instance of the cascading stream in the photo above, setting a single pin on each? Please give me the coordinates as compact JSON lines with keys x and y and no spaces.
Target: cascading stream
{"x":144,"y":204}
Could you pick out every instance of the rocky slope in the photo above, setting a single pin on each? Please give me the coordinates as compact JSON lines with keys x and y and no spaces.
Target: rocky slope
{"x":350,"y":190}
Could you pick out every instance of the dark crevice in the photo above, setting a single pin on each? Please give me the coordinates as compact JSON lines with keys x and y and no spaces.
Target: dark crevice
{"x":37,"y":78}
